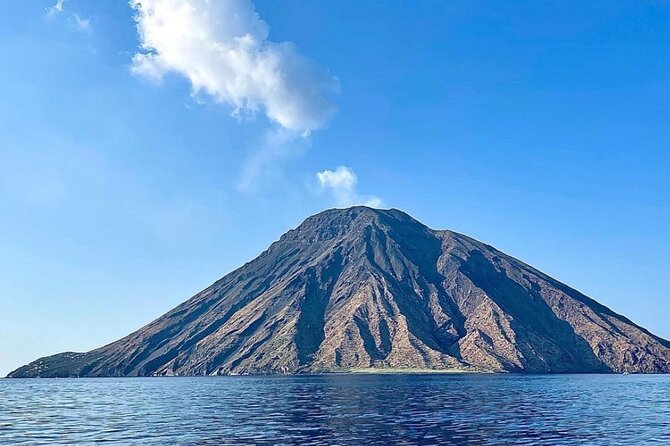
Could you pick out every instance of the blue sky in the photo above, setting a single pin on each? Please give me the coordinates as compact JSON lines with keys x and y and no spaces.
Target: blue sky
{"x":538,"y":127}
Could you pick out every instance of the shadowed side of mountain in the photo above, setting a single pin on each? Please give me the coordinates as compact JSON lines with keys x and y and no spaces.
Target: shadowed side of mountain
{"x":360,"y":288}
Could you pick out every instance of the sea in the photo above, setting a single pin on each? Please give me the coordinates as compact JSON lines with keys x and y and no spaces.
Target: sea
{"x":339,"y":409}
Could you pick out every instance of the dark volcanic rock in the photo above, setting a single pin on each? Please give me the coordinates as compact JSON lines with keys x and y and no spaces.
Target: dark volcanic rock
{"x":362,"y":288}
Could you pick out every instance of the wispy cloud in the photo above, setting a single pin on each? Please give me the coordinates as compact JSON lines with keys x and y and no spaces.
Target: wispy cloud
{"x":342,"y":183}
{"x":276,"y":145}
{"x":223,"y":49}
{"x":57,"y":8}
{"x":75,"y":20}
{"x":82,"y":24}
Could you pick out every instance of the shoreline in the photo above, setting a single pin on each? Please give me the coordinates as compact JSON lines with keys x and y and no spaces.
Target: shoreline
{"x":404,"y":371}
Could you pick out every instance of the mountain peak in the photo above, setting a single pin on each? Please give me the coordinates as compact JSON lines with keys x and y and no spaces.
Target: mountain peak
{"x":347,"y":223}
{"x":374,"y":288}
{"x":358,"y":215}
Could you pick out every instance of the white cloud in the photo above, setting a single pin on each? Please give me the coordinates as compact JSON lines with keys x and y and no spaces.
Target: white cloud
{"x":276,"y":145}
{"x":56,"y":8}
{"x":222,"y":48}
{"x":82,"y":24}
{"x":341,"y":183}
{"x":75,"y":20}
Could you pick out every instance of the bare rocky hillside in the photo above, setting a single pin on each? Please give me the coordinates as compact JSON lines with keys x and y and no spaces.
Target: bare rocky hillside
{"x":363,"y":288}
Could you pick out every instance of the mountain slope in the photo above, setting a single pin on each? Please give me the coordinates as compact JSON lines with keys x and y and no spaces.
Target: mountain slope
{"x":361,"y":288}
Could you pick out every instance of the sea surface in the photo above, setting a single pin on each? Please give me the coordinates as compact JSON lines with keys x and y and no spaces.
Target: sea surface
{"x":339,"y":409}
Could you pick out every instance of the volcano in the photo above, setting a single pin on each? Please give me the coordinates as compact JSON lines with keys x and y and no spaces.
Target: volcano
{"x":365,"y":289}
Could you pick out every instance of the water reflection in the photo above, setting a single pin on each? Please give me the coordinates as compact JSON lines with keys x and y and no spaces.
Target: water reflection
{"x":339,"y":409}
